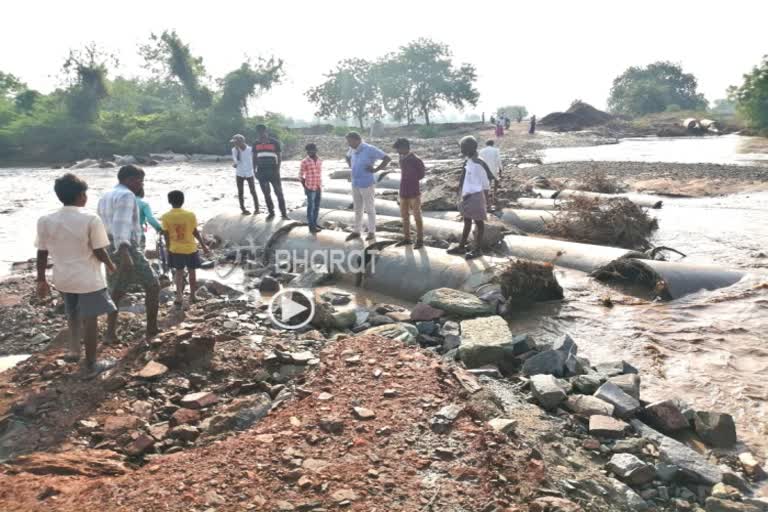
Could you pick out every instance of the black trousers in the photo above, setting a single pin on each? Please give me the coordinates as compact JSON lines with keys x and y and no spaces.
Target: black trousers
{"x":252,"y":187}
{"x":272,"y":179}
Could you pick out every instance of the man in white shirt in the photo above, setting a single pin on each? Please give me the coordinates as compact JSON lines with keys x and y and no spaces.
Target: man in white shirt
{"x":492,"y":156}
{"x":119,"y":212}
{"x":242,"y":161}
{"x":473,"y":187}
{"x":76,"y":240}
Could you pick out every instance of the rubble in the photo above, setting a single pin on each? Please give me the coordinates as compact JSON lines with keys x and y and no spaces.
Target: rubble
{"x":716,"y":429}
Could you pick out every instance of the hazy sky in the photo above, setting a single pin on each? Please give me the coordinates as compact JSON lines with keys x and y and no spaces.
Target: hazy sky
{"x":540,"y":53}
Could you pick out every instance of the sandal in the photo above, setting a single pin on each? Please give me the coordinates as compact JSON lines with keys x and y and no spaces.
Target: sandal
{"x":473,"y":254}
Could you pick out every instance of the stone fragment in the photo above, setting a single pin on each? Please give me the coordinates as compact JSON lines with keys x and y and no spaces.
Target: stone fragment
{"x":550,"y":362}
{"x":139,"y":445}
{"x":441,"y":422}
{"x":716,"y":429}
{"x":199,"y":400}
{"x":624,"y":405}
{"x":587,"y":405}
{"x":547,"y":391}
{"x":184,"y":417}
{"x":185,"y":433}
{"x":587,"y":384}
{"x":457,"y":303}
{"x":331,"y":425}
{"x":503,"y":425}
{"x":613,"y":368}
{"x":725,"y":492}
{"x":751,"y":466}
{"x":120,"y":424}
{"x":362,"y":413}
{"x":720,"y":505}
{"x":631,"y":470}
{"x":606,"y":426}
{"x":344,"y":495}
{"x":628,"y":498}
{"x":424,"y":313}
{"x":629,"y":383}
{"x":485,"y":341}
{"x":665,"y":416}
{"x":153,"y":370}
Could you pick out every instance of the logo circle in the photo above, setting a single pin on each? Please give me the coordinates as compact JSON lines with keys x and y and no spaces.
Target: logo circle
{"x":291,"y":308}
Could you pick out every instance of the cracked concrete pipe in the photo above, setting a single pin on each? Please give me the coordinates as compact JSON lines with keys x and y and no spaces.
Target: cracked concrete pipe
{"x":437,"y":229}
{"x":388,"y":180}
{"x":534,"y":203}
{"x":666,"y":280}
{"x":345,"y":188}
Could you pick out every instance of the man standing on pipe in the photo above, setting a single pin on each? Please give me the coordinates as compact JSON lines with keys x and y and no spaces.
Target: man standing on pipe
{"x":412,"y":168}
{"x":473,"y":188}
{"x":361,"y":159}
{"x":242,"y":161}
{"x":266,"y":163}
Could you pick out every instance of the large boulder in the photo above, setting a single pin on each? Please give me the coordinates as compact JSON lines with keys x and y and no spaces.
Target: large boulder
{"x":631,"y":470}
{"x":586,"y":405}
{"x":607,"y":426}
{"x":549,"y":362}
{"x":629,"y":383}
{"x":487,"y":340}
{"x":715,"y":428}
{"x":547,"y":391}
{"x":456,"y":303}
{"x":665,"y":416}
{"x":694,"y":465}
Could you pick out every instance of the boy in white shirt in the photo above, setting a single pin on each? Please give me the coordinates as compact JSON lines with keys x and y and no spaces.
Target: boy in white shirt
{"x":492,"y":156}
{"x":77,"y":241}
{"x":473,"y":188}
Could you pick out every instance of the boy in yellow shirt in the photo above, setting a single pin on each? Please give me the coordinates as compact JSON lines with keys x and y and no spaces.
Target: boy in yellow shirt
{"x":180,"y":231}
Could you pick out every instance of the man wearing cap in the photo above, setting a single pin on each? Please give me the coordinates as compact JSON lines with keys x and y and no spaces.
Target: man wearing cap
{"x":242,"y":158}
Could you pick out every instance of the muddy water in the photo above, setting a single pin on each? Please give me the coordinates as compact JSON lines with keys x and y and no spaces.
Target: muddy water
{"x":709,"y":348}
{"x":725,"y":149}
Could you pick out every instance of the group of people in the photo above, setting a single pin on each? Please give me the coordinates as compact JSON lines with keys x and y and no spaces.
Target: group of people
{"x":80,"y":242}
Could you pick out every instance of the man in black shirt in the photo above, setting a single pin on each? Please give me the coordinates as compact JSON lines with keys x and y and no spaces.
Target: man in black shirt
{"x":266,"y":163}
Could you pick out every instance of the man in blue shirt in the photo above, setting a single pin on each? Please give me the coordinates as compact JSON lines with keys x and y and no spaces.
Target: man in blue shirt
{"x":361,"y":159}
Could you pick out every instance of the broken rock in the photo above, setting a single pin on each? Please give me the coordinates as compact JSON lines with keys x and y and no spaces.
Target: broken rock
{"x":665,"y":416}
{"x":184,"y":417}
{"x":586,"y":405}
{"x":607,"y":426}
{"x":631,"y":470}
{"x":485,"y":341}
{"x":503,"y":425}
{"x":549,"y":362}
{"x":457,"y":303}
{"x":716,"y":429}
{"x":624,"y":405}
{"x":425,"y":313}
{"x":199,"y":400}
{"x":613,"y":368}
{"x":751,"y":466}
{"x":629,"y":383}
{"x":141,"y":444}
{"x":441,"y":422}
{"x":153,"y":370}
{"x":547,"y":391}
{"x":720,"y":505}
{"x":362,"y":413}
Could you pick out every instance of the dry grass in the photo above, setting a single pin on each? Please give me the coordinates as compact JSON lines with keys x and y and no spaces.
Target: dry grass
{"x":618,"y":223}
{"x":524,"y":282}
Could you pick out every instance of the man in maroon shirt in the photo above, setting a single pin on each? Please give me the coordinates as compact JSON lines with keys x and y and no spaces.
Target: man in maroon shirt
{"x":412,"y":169}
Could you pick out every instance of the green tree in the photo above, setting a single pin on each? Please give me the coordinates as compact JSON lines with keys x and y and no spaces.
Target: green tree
{"x":723,"y":107}
{"x":237,"y":87}
{"x":86,"y":71}
{"x":349,"y":91}
{"x":751,"y":97}
{"x":650,"y":89}
{"x":168,"y":56}
{"x":516,"y":112}
{"x":10,"y":85}
{"x":397,"y":88}
{"x":434,"y":81}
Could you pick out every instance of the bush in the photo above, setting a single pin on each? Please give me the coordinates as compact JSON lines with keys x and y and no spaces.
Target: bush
{"x":341,"y":131}
{"x":674,"y":107}
{"x":428,"y":131}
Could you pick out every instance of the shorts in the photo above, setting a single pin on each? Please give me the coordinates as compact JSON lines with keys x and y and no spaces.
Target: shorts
{"x":181,"y":261}
{"x":141,"y":274}
{"x":474,"y":206}
{"x":88,"y":305}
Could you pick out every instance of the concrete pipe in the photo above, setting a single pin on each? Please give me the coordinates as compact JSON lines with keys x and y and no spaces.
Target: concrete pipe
{"x":691,"y":124}
{"x":245,"y":229}
{"x":388,"y":180}
{"x":344,"y":202}
{"x":345,"y":188}
{"x":436,"y":229}
{"x":342,"y":174}
{"x":710,"y":125}
{"x":576,"y":256}
{"x":546,"y":193}
{"x":531,"y":203}
{"x":530,"y":221}
{"x":409,"y":274}
{"x":643,"y":200}
{"x":664,"y":279}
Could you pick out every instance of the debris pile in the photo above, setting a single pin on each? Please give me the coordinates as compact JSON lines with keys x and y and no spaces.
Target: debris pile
{"x":580,"y":115}
{"x":618,"y":223}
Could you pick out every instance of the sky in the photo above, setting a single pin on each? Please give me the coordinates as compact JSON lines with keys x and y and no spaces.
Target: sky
{"x":542,"y":54}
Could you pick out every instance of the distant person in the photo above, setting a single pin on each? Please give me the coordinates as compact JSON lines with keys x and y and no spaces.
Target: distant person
{"x":146,"y":217}
{"x":119,"y":212}
{"x":310,"y":175}
{"x":77,"y":241}
{"x":180,"y":230}
{"x":473,"y":187}
{"x":482,"y":119}
{"x":499,"y":127}
{"x":532,"y":126}
{"x":266,"y":163}
{"x":507,"y":122}
{"x":492,"y":156}
{"x":361,"y":160}
{"x":242,"y":158}
{"x":412,"y":171}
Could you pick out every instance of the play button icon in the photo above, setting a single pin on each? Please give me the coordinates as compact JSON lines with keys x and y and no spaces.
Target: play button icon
{"x":291,"y":308}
